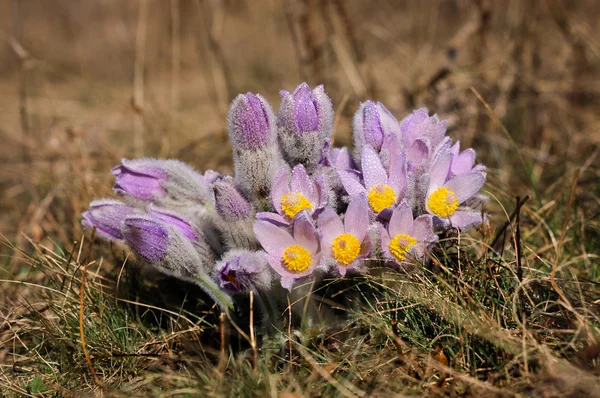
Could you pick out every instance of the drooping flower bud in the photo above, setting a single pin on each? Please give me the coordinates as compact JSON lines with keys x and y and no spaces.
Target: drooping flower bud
{"x":165,"y":183}
{"x":236,"y":216}
{"x":372,"y":123}
{"x":165,"y":247}
{"x":256,"y":154}
{"x":304,"y":121}
{"x":243,"y":270}
{"x":107,"y":215}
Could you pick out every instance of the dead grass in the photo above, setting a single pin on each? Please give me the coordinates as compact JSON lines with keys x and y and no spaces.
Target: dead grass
{"x":476,"y":320}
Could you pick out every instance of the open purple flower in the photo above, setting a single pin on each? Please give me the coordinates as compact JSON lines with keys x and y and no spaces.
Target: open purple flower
{"x":291,"y":196}
{"x":371,"y":124}
{"x":382,"y":189}
{"x":243,"y":270}
{"x":444,"y":196}
{"x":292,"y":257}
{"x":107,"y":216}
{"x":406,"y":239}
{"x":345,"y":244}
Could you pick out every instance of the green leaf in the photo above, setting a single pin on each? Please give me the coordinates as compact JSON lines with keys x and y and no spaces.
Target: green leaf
{"x":37,"y":386}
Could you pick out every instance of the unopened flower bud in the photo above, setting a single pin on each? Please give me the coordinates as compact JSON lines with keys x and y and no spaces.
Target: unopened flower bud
{"x":167,"y":249}
{"x":242,"y":270}
{"x":166,"y":183}
{"x":305,"y":120}
{"x":107,"y":215}
{"x":231,"y":204}
{"x":236,"y":216}
{"x":372,"y":123}
{"x":256,"y":154}
{"x":251,"y":122}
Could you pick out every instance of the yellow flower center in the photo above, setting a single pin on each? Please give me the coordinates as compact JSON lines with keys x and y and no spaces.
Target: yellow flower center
{"x":345,"y":248}
{"x":400,"y":245}
{"x":443,"y":202}
{"x":296,"y":258}
{"x":381,"y":196}
{"x":293,"y":203}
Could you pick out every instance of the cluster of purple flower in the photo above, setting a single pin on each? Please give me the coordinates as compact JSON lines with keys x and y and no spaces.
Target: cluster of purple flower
{"x":295,"y":207}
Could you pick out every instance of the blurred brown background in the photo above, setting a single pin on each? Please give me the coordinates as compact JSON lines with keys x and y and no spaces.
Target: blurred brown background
{"x":84,"y":83}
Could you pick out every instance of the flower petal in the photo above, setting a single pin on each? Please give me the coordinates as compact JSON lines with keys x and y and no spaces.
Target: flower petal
{"x":463,"y":162}
{"x":401,"y":221}
{"x":372,"y":169}
{"x":279,"y":188}
{"x":351,"y":183}
{"x":330,"y":226}
{"x":301,"y":183}
{"x":273,"y":218}
{"x":423,"y":229}
{"x":397,"y":178}
{"x":439,"y":169}
{"x":356,"y":219}
{"x":385,"y":241}
{"x":272,"y":238}
{"x":466,"y":186}
{"x":305,"y":233}
{"x":464,"y":220}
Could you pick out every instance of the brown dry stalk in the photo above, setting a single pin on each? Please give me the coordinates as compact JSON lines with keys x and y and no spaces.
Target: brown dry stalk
{"x":138,"y":77}
{"x":252,"y":336}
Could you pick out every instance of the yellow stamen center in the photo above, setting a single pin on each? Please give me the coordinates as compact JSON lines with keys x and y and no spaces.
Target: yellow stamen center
{"x":345,"y":248}
{"x":293,"y":203}
{"x":400,"y":245}
{"x":443,"y":202}
{"x":381,"y":196}
{"x":296,"y":258}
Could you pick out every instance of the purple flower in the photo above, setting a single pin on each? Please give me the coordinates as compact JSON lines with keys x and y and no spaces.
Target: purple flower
{"x":382,"y":189}
{"x":292,"y":257}
{"x":305,"y":120}
{"x":166,"y":183}
{"x":165,"y":247}
{"x":242,"y":270}
{"x":231,"y":204}
{"x":256,"y":153}
{"x":444,"y":196}
{"x":463,"y":162}
{"x":345,"y":244}
{"x":140,"y":178}
{"x":289,"y":198}
{"x":306,"y":111}
{"x":419,"y":125}
{"x":107,"y":215}
{"x":371,"y":124}
{"x":175,"y":220}
{"x":210,"y":176}
{"x":147,"y":236}
{"x":405,"y":238}
{"x":251,"y":122}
